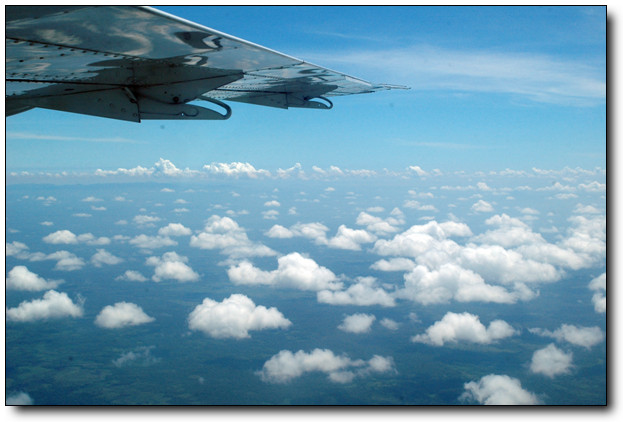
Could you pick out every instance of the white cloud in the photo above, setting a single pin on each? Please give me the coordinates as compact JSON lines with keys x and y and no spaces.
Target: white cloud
{"x":270,"y":214}
{"x":140,"y":356}
{"x":482,"y":206}
{"x":167,"y":168}
{"x":394,"y":264}
{"x":579,"y":336}
{"x":61,"y":237}
{"x":294,"y":270}
{"x":285,"y":366}
{"x":225,"y":234}
{"x":598,"y":285}
{"x":357,"y":323}
{"x":103,"y":257}
{"x":234,"y":317}
{"x":53,"y":305}
{"x":19,"y":399}
{"x":65,"y":261}
{"x":466,"y":327}
{"x":174,"y":229}
{"x":279,"y":232}
{"x":68,"y":238}
{"x":143,"y":219}
{"x":420,"y":239}
{"x":390,"y":324}
{"x":451,"y":282}
{"x":364,"y":292}
{"x":235,"y":169}
{"x":152,"y":242}
{"x":20,"y":278}
{"x":92,"y":199}
{"x":379,"y":225}
{"x":551,"y":361}
{"x":131,"y":275}
{"x":171,"y":266}
{"x":272,"y":203}
{"x":418,"y":170}
{"x":16,"y":249}
{"x":350,"y":239}
{"x":495,"y":389}
{"x":120,"y":315}
{"x":314,"y":231}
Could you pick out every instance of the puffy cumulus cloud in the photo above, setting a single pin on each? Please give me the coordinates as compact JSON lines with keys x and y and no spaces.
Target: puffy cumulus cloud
{"x":120,"y":315}
{"x":417,"y":170}
{"x":509,"y":232}
{"x":166,"y":168}
{"x":68,"y":238}
{"x":551,"y":361}
{"x":171,"y":266}
{"x":357,"y":323}
{"x":495,"y":389}
{"x":579,"y":336}
{"x":19,"y":399}
{"x":17,"y":249}
{"x":286,"y":366}
{"x":364,"y":292}
{"x":270,"y":214}
{"x":313,"y":231}
{"x":272,"y":203}
{"x":598,"y":285}
{"x":234,"y":317}
{"x":131,"y":275}
{"x":162,"y":167}
{"x":394,"y":264}
{"x":416,"y":205}
{"x":467,"y":327}
{"x":451,"y":282}
{"x":225,"y":234}
{"x":279,"y":232}
{"x":144,"y":241}
{"x":587,"y":239}
{"x":482,"y":206}
{"x":293,"y":270}
{"x":390,"y":324}
{"x":141,"y":356}
{"x":65,"y":261}
{"x":235,"y":169}
{"x":420,"y":239}
{"x":381,"y":226}
{"x":508,"y":266}
{"x":350,"y":239}
{"x":144,"y":220}
{"x":52,"y":305}
{"x":103,"y":257}
{"x":20,"y":278}
{"x":584,"y":245}
{"x":174,"y":229}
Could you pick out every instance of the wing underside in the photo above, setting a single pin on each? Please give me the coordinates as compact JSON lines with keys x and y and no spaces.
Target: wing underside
{"x":134,"y":63}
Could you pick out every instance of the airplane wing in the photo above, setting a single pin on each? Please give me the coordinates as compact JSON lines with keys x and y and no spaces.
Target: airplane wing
{"x":134,"y":63}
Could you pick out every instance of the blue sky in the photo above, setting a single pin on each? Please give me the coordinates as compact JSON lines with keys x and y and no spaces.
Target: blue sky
{"x":491,"y":88}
